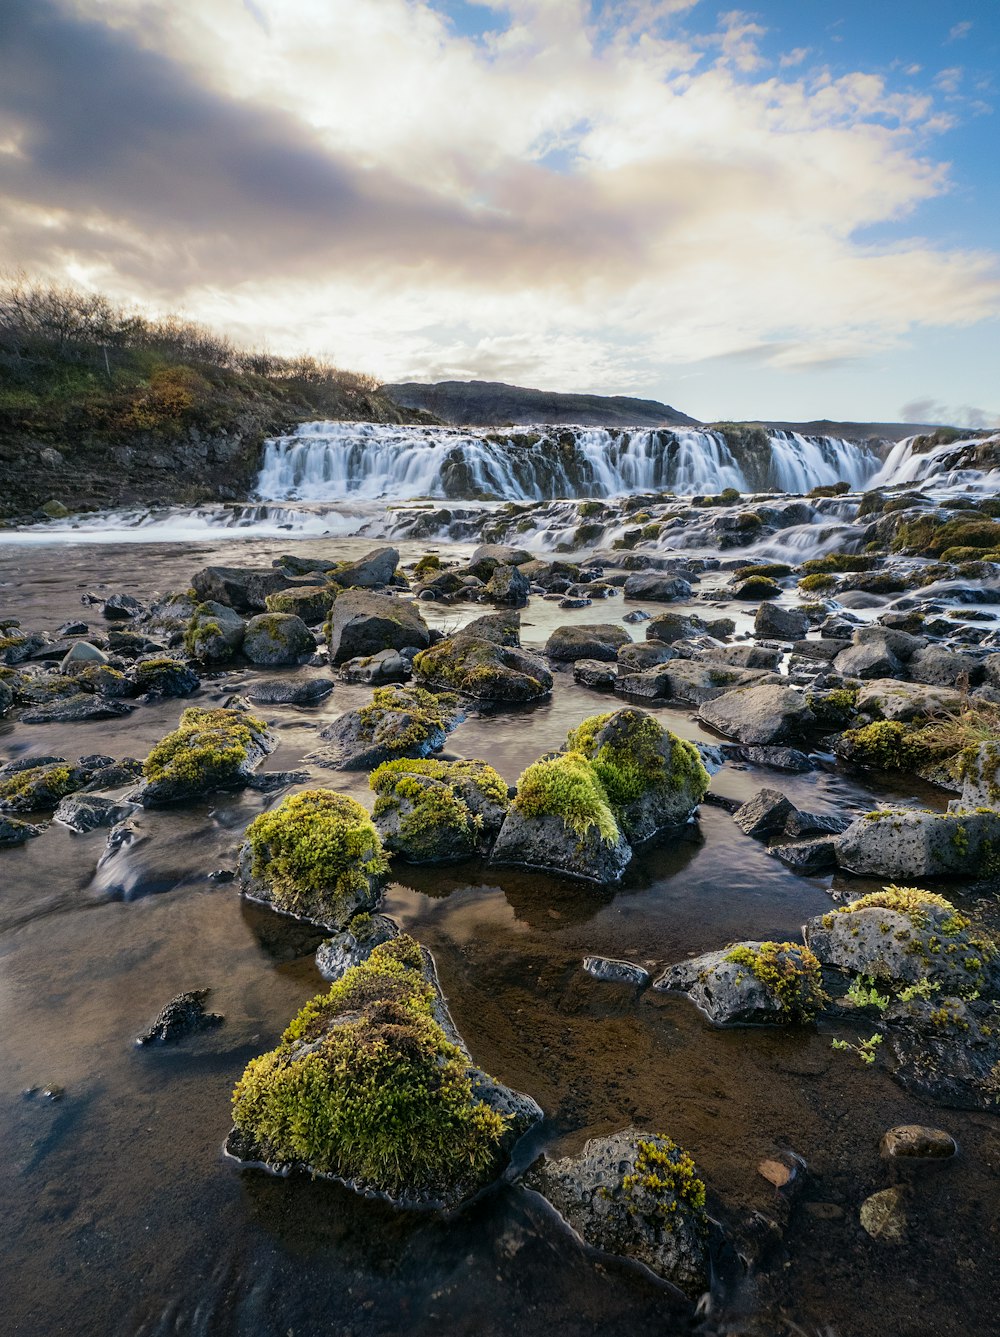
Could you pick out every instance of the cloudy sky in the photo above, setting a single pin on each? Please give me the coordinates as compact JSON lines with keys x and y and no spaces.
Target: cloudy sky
{"x":785,"y":211}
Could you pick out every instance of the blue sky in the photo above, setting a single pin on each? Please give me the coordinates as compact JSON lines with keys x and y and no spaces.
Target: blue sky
{"x":784,"y":211}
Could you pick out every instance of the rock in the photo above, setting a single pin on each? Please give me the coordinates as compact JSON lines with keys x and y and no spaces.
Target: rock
{"x":635,"y":1195}
{"x":671,"y":627}
{"x":947,"y":1051}
{"x":807,"y":856}
{"x":649,"y":684}
{"x":382,"y":1030}
{"x":752,"y":983}
{"x":488,"y":556}
{"x":765,"y":714}
{"x":208,"y":751}
{"x":507,"y":587}
{"x":903,"y":843}
{"x":87,"y":812}
{"x":17,"y":646}
{"x":637,"y":656}
{"x":214,"y":633}
{"x":545,"y":841}
{"x":765,"y":814}
{"x":657,"y":586}
{"x":311,"y":603}
{"x":6,"y":698}
{"x":82,"y":653}
{"x":595,"y":673}
{"x":610,"y":971}
{"x":891,"y":699}
{"x":438,"y":811}
{"x":944,"y":668}
{"x":122,"y":607}
{"x":883,"y":1216}
{"x":814,"y":823}
{"x":35,"y":784}
{"x":778,"y":1173}
{"x":483,"y":669}
{"x":901,"y":644}
{"x":53,"y":509}
{"x":589,"y":641}
{"x":286,"y":692}
{"x":917,"y":1142}
{"x":635,"y":615}
{"x":905,"y":935}
{"x":503,"y":628}
{"x":183,"y":1016}
{"x":777,"y":758}
{"x":277,"y":638}
{"x":867,"y":661}
{"x":701,"y":682}
{"x":75,"y":709}
{"x":576,"y":602}
{"x":979,"y":772}
{"x":278,"y":863}
{"x":244,"y":588}
{"x":783,"y":624}
{"x":377,"y":670}
{"x":363,"y":624}
{"x":376,"y":568}
{"x":163,"y":678}
{"x":15,"y":832}
{"x":351,"y":946}
{"x":744,"y":656}
{"x":398,"y":722}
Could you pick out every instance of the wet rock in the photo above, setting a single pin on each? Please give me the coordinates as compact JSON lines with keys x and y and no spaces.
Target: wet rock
{"x":784,"y":624}
{"x":210,"y":750}
{"x":438,"y":811}
{"x":917,"y":1142}
{"x":122,"y":607}
{"x":944,"y":668}
{"x":634,"y":1195}
{"x":670,"y":627}
{"x":609,"y":971}
{"x":650,"y":684}
{"x":544,"y":841}
{"x":658,"y":587}
{"x":164,"y":678}
{"x":892,"y":699}
{"x":777,"y":758}
{"x":18,"y":646}
{"x":595,"y":673}
{"x":868,"y":661}
{"x":807,"y":856}
{"x":637,"y":656}
{"x":979,"y":771}
{"x":814,"y":823}
{"x":488,"y":556}
{"x":483,"y":669}
{"x":883,"y":1216}
{"x":337,"y":955}
{"x":575,"y":602}
{"x":87,"y":812}
{"x":35,"y":784}
{"x":311,"y":603}
{"x":15,"y":832}
{"x":765,"y":814}
{"x":82,"y":653}
{"x":376,"y":568}
{"x":183,"y":1016}
{"x":761,"y":715}
{"x":214,"y":632}
{"x":507,"y":587}
{"x":751,"y":983}
{"x":76,"y":709}
{"x":947,"y":1051}
{"x":744,"y":656}
{"x":702,"y":682}
{"x":363,"y":623}
{"x":244,"y":588}
{"x":398,"y":722}
{"x":383,"y":1029}
{"x":903,"y":843}
{"x":387,"y":666}
{"x":635,"y":616}
{"x":287,"y":692}
{"x":277,"y":638}
{"x":591,"y":641}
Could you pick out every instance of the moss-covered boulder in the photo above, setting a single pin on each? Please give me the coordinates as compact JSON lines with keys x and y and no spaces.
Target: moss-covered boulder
{"x":210,"y":750}
{"x":751,"y":983}
{"x":601,"y":640}
{"x":36,"y":784}
{"x":438,"y":811}
{"x":163,"y":677}
{"x":481,"y":668}
{"x":214,"y":633}
{"x":636,"y":1195}
{"x":370,"y":1084}
{"x":561,"y":820}
{"x":978,"y":768}
{"x":653,"y":779}
{"x":397,"y":722}
{"x":15,"y":832}
{"x":277,"y":638}
{"x":317,"y":856}
{"x":311,"y":603}
{"x":363,"y":623}
{"x":903,"y":935}
{"x":352,"y":945}
{"x":16,"y":646}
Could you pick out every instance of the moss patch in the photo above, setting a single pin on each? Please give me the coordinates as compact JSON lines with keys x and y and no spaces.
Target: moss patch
{"x":633,"y":762}
{"x":567,"y":787}
{"x":210,"y":749}
{"x":790,"y":973}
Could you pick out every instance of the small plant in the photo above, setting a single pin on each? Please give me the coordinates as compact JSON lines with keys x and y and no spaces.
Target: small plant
{"x":923,"y":989}
{"x":865,"y":1049}
{"x":863,"y":993}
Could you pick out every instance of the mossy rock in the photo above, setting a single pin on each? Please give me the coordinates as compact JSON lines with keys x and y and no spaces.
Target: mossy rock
{"x":317,"y":856}
{"x":38,"y":786}
{"x":277,"y":638}
{"x":210,"y":750}
{"x":15,"y":832}
{"x":214,"y":633}
{"x":438,"y":811}
{"x":751,"y":983}
{"x":481,"y":668}
{"x":370,"y":1084}
{"x":164,"y":677}
{"x":398,"y":722}
{"x":757,"y":587}
{"x":310,"y":603}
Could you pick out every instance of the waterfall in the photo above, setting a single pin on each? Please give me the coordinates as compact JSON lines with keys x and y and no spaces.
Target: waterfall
{"x":327,"y":461}
{"x":944,"y":466}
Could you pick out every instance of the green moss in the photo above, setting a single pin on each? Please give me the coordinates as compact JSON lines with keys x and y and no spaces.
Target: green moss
{"x":37,"y":787}
{"x":829,"y":490}
{"x":758,"y":587}
{"x":927,"y":534}
{"x":378,"y":1094}
{"x":485,"y":777}
{"x":208,"y":749}
{"x":567,"y":787}
{"x":838,"y":562}
{"x":729,"y":496}
{"x":633,"y":762}
{"x":910,"y":901}
{"x":817,"y":582}
{"x":427,"y":565}
{"x":776,"y":570}
{"x":588,"y":509}
{"x":664,"y":1179}
{"x":424,"y":712}
{"x":316,"y":843}
{"x":834,"y":708}
{"x":886,"y":745}
{"x":790,"y":973}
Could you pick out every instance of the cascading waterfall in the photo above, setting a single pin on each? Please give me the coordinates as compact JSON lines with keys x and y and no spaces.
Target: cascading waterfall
{"x":328,"y":461}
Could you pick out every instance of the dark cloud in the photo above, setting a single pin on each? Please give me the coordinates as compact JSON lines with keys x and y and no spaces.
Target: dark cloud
{"x":182,"y":184}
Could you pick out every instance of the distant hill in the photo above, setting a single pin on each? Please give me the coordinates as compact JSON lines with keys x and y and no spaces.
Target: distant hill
{"x":494,"y":404}
{"x":857,"y":431}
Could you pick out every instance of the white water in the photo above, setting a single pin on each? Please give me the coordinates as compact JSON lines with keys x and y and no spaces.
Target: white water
{"x":327,"y":461}
{"x":903,"y":466}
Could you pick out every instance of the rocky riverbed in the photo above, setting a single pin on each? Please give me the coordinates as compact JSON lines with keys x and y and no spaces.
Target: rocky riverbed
{"x":683,"y":863}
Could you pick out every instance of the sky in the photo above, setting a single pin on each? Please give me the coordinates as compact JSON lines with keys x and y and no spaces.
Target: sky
{"x":788,"y":211}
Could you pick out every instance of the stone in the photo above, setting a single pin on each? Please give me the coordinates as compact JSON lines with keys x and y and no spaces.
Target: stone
{"x":545,"y":842}
{"x":658,"y":587}
{"x":807,"y":856}
{"x":703,"y":682}
{"x":671,"y":627}
{"x":53,"y":509}
{"x":398,"y":722}
{"x":387,"y":666}
{"x":867,"y":661}
{"x":744,"y":656}
{"x":635,"y":1195}
{"x":82,"y":653}
{"x":6,"y":698}
{"x":914,"y":1141}
{"x":891,"y":699}
{"x":288,"y":692}
{"x":979,"y":771}
{"x":945,"y":668}
{"x":210,"y":750}
{"x":88,"y":812}
{"x":507,"y":587}
{"x":351,"y":946}
{"x":183,"y":1016}
{"x":783,"y":624}
{"x":15,"y":832}
{"x":609,"y":971}
{"x":637,"y":656}
{"x":751,"y":983}
{"x":946,"y":1051}
{"x":122,"y":607}
{"x":244,"y":588}
{"x":908,"y":844}
{"x":883,"y":1216}
{"x":776,"y":758}
{"x":76,"y":709}
{"x":363,"y":623}
{"x":376,"y":568}
{"x":801,"y":823}
{"x":312,"y":603}
{"x":765,"y":814}
{"x":488,"y":556}
{"x":214,"y":632}
{"x":484,"y":669}
{"x":595,"y":673}
{"x":438,"y":811}
{"x":163,"y":678}
{"x":764,"y":714}
{"x":586,"y":641}
{"x":277,"y":638}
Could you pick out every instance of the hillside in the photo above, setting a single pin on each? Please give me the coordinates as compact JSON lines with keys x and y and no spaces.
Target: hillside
{"x":495,"y":404}
{"x":857,"y":431}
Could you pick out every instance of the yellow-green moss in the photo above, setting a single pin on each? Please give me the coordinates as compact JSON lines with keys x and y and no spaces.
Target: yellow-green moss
{"x":886,"y":745}
{"x":910,"y":901}
{"x":567,"y":787}
{"x":834,"y":708}
{"x":209,"y":748}
{"x":428,"y":713}
{"x":664,"y":1178}
{"x":817,"y":582}
{"x":789,"y":971}
{"x":631,"y":764}
{"x":37,"y":787}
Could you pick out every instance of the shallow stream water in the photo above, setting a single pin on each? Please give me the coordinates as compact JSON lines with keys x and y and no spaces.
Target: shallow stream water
{"x":122,"y":1216}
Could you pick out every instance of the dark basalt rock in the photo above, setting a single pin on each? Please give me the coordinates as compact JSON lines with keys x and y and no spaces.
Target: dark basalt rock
{"x":947,"y":1051}
{"x":376,"y":568}
{"x":163,"y":678}
{"x":399,"y":722}
{"x":122,"y":607}
{"x":363,"y":623}
{"x":609,"y":971}
{"x":76,"y":709}
{"x":657,"y":587}
{"x":765,"y":814}
{"x":183,"y":1016}
{"x":15,"y":832}
{"x":87,"y":812}
{"x":592,"y":641}
{"x":337,"y":955}
{"x":277,"y":638}
{"x":286,"y":692}
{"x":777,"y":758}
{"x":377,"y":670}
{"x":244,"y":588}
{"x":595,"y":673}
{"x":507,"y":587}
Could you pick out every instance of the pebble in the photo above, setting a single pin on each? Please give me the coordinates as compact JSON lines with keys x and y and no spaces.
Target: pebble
{"x":883,"y":1216}
{"x":917,"y":1142}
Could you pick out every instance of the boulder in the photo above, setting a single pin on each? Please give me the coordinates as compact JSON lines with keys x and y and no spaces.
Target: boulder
{"x":743,"y":656}
{"x":377,"y":670}
{"x":88,"y":812}
{"x":766,"y":714}
{"x":782,"y":624}
{"x":635,"y":1195}
{"x":765,"y":814}
{"x":6,"y":698}
{"x":945,"y":668}
{"x":77,"y":709}
{"x":37,"y":784}
{"x":699,"y":682}
{"x":163,"y":678}
{"x":312,"y":603}
{"x":288,"y":691}
{"x":657,"y":586}
{"x":904,"y":843}
{"x":183,"y":1016}
{"x":637,"y":656}
{"x":277,"y":638}
{"x":363,"y":623}
{"x":891,"y":699}
{"x":122,"y":607}
{"x":398,"y":722}
{"x":15,"y":832}
{"x":210,"y":750}
{"x":587,"y":641}
{"x":805,"y":857}
{"x":214,"y":633}
{"x":507,"y":587}
{"x":751,"y":983}
{"x":376,"y":568}
{"x":776,"y":758}
{"x":353,"y":945}
{"x":244,"y":588}
{"x":946,"y":1050}
{"x":595,"y":673}
{"x":483,"y":669}
{"x":438,"y":811}
{"x":488,"y":556}
{"x":867,"y":661}
{"x":82,"y":652}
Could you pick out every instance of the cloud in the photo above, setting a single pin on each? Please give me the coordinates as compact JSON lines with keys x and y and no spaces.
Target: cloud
{"x":960,"y":30}
{"x":933,"y":411}
{"x":578,"y":200}
{"x":792,"y":58}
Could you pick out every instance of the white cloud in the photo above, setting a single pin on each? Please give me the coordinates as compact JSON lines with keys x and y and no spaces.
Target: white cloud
{"x":960,"y":30}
